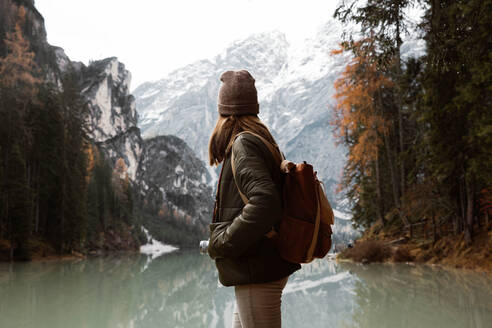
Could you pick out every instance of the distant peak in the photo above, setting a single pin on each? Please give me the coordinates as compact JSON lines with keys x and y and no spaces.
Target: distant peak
{"x":262,"y":37}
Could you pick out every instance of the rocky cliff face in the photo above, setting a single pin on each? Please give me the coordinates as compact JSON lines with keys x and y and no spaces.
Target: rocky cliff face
{"x":112,"y":118}
{"x":172,"y":183}
{"x":51,"y":59}
{"x":112,"y":124}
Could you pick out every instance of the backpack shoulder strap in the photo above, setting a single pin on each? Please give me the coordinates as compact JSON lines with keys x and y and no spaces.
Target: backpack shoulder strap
{"x":276,"y":153}
{"x":243,"y":197}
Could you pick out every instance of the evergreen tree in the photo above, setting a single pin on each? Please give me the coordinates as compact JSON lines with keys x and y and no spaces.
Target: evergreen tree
{"x":18,"y":87}
{"x":457,"y":102}
{"x":385,"y":22}
{"x":2,"y":227}
{"x":74,"y":109}
{"x":360,"y":124}
{"x":55,"y":186}
{"x":17,"y":69}
{"x":438,"y":113}
{"x":101,"y":195}
{"x":122,"y":192}
{"x":18,"y":203}
{"x":47,"y":154}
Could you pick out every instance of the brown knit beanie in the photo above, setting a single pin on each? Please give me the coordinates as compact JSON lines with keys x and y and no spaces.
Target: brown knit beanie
{"x":237,"y":95}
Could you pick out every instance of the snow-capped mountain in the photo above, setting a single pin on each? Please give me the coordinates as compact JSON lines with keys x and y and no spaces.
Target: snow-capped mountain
{"x":295,"y":90}
{"x":294,"y":83}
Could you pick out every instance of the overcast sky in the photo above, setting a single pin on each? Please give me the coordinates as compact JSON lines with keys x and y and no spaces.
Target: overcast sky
{"x":154,"y":37}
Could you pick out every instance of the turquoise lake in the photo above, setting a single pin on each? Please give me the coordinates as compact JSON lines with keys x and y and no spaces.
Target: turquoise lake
{"x":181,"y":289}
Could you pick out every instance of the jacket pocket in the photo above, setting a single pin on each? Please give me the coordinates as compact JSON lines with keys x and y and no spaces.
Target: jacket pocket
{"x":214,"y":245}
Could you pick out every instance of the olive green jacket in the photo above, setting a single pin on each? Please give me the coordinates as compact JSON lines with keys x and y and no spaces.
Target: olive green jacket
{"x":242,"y":252}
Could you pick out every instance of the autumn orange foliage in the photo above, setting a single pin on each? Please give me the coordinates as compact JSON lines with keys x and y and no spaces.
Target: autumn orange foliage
{"x":120,"y":169}
{"x":92,"y":155}
{"x":18,"y":69}
{"x":357,"y":114}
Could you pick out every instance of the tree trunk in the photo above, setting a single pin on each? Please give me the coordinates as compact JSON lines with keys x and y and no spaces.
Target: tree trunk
{"x":469,"y":211}
{"x":400,"y":117}
{"x":462,"y":199}
{"x":63,"y":182}
{"x":392,"y":171}
{"x":378,"y":192}
{"x":9,"y":228}
{"x":434,"y":230}
{"x":36,"y":223}
{"x":394,"y":181}
{"x":38,"y":187}
{"x":399,"y":103}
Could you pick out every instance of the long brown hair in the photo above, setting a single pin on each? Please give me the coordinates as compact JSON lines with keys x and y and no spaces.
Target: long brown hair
{"x":227,"y":128}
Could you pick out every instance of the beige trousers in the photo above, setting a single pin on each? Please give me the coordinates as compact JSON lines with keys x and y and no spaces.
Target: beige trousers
{"x":258,"y":305}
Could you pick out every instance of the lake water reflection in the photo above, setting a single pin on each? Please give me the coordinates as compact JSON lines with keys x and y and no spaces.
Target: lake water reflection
{"x":181,"y":290}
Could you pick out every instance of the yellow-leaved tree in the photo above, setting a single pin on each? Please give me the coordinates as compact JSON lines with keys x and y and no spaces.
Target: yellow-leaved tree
{"x":18,"y":69}
{"x":359,"y":120}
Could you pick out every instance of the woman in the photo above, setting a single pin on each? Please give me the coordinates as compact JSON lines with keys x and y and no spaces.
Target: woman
{"x":245,"y":257}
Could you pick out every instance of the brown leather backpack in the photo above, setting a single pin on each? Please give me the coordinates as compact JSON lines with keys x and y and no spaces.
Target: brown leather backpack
{"x":305,"y":228}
